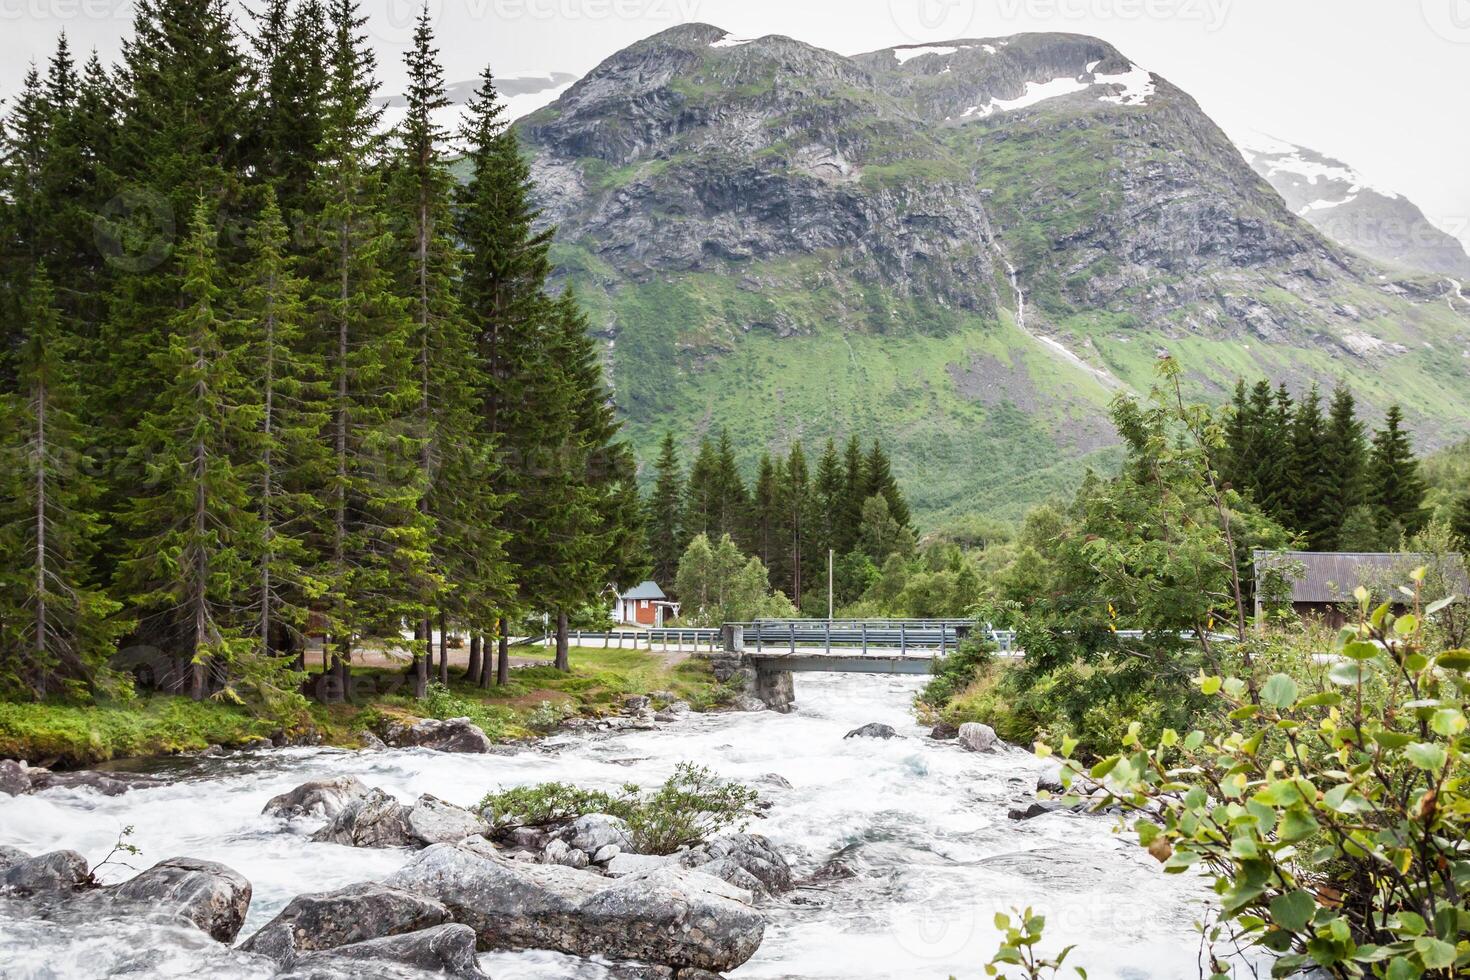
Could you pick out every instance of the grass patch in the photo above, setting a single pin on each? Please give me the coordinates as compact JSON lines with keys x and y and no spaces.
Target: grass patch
{"x":76,"y":735}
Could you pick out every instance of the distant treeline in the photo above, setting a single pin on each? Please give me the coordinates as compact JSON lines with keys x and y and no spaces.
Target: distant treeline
{"x":789,"y":518}
{"x":267,"y":371}
{"x":1320,"y":474}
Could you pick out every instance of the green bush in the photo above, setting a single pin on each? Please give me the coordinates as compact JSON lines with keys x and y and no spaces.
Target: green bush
{"x":954,"y":673}
{"x":690,"y":807}
{"x":1331,"y":805}
{"x":78,"y":735}
{"x":441,"y":702}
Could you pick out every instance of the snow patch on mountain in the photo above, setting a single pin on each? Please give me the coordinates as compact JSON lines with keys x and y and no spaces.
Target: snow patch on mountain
{"x":730,"y":42}
{"x":905,"y":55}
{"x":1137,"y":85}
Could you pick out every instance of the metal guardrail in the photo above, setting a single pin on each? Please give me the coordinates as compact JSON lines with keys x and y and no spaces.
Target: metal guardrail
{"x":689,"y":638}
{"x":903,"y":635}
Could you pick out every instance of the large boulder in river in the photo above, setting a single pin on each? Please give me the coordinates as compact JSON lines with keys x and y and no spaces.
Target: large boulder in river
{"x":374,"y":820}
{"x":670,"y":916}
{"x":447,"y":950}
{"x":432,"y":821}
{"x":450,"y":735}
{"x":208,"y":894}
{"x":978,"y":738}
{"x":318,"y":798}
{"x":106,"y":783}
{"x":56,"y":872}
{"x":10,"y":857}
{"x":15,"y":778}
{"x":873,"y":730}
{"x":749,"y":854}
{"x":354,"y":914}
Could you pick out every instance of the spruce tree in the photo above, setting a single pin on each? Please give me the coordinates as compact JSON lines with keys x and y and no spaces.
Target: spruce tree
{"x":664,"y":518}
{"x":291,"y":460}
{"x":828,"y":496}
{"x":376,"y":547}
{"x":57,"y":628}
{"x":729,"y":502}
{"x":855,"y":487}
{"x":290,"y":64}
{"x":504,"y":269}
{"x":797,"y":505}
{"x":1346,"y":454}
{"x":701,"y":492}
{"x":192,"y":536}
{"x":1460,"y":521}
{"x":456,"y":460}
{"x":1308,"y":475}
{"x":1234,"y":460}
{"x":1395,"y":488}
{"x":765,"y":506}
{"x":878,"y":474}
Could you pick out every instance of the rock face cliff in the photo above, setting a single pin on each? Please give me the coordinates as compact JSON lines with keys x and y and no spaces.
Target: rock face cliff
{"x":966,"y":248}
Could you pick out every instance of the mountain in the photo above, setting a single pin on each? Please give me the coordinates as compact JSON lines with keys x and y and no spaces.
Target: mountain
{"x":966,"y":248}
{"x":1339,"y":202}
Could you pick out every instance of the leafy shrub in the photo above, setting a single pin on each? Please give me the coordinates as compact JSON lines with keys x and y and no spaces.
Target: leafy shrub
{"x":552,"y":803}
{"x":1331,"y":810}
{"x":441,"y":702}
{"x":954,"y":673}
{"x":690,"y":807}
{"x":549,"y":714}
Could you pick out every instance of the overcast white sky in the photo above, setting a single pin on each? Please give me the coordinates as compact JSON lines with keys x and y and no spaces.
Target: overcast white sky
{"x":1381,"y":84}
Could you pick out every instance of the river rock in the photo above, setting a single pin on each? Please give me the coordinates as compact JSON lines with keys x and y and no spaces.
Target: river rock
{"x":591,"y":832}
{"x":15,"y":778}
{"x":750,"y":853}
{"x":318,"y":798}
{"x":10,"y":857}
{"x":370,"y":742}
{"x":433,"y":821}
{"x":354,"y":914}
{"x":55,"y":872}
{"x":208,"y":894}
{"x":450,"y":735}
{"x":671,"y":916}
{"x":374,"y":820}
{"x":559,"y":852}
{"x":1050,"y":780}
{"x":872,"y":730}
{"x":606,"y":854}
{"x":447,"y":950}
{"x":774,"y":779}
{"x":1037,"y":809}
{"x":943,"y":731}
{"x":635,"y":704}
{"x":977,"y":737}
{"x":624,"y":864}
{"x":106,"y":783}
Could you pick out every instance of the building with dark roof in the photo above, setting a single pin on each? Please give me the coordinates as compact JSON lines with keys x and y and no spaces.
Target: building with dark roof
{"x":1320,"y":584}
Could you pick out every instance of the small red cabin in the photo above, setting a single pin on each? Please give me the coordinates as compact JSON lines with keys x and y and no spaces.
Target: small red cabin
{"x":644,"y":605}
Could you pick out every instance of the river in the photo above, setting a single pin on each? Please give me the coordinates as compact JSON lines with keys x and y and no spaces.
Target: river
{"x":924,"y":822}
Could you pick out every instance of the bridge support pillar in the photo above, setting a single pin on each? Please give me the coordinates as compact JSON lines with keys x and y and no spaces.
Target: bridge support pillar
{"x":734,"y":637}
{"x":776,"y":689}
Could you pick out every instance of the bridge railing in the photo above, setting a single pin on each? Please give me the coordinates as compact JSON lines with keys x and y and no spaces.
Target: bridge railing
{"x":938,"y":635}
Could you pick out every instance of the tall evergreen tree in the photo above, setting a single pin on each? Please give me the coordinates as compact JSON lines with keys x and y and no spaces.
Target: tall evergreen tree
{"x":729,"y":501}
{"x":376,"y":544}
{"x":829,"y":492}
{"x":192,"y":535}
{"x":878,"y":473}
{"x":765,"y":511}
{"x":503,"y":296}
{"x":57,"y":627}
{"x":664,"y":518}
{"x":1395,"y":488}
{"x":290,"y":63}
{"x":1346,"y":455}
{"x":797,"y":504}
{"x":855,"y":488}
{"x":701,"y":491}
{"x":1460,"y":521}
{"x":456,"y":459}
{"x":290,"y":458}
{"x":1307,"y":475}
